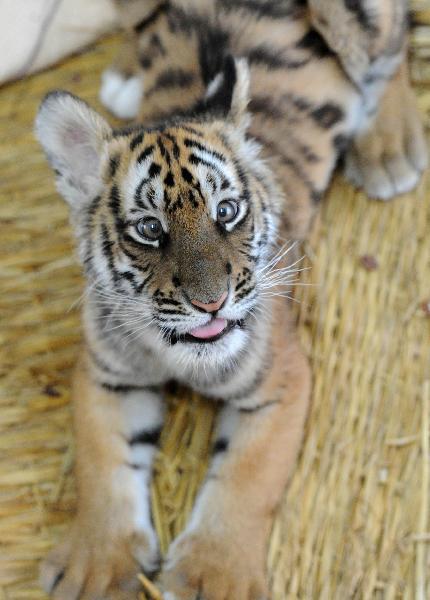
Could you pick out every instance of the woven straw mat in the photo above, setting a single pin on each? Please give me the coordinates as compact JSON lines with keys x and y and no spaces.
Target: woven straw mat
{"x":355,"y":520}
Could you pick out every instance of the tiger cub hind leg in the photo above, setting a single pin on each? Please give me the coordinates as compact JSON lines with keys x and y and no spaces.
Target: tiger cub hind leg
{"x":388,"y":157}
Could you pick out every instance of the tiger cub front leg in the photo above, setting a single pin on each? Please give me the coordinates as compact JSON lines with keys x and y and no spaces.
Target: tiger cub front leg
{"x":112,"y":537}
{"x":222,"y":553}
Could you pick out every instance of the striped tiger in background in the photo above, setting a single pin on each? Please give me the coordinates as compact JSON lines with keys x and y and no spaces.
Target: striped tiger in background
{"x":184,"y":222}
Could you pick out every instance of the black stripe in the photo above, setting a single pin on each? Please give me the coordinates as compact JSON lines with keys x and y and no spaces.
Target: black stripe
{"x":172,"y":78}
{"x":154,"y":170}
{"x":115,"y":200}
{"x":149,"y":436}
{"x":120,"y":388}
{"x":211,"y":181}
{"x":144,"y":154}
{"x":186,"y":175}
{"x":129,"y":276}
{"x":316,"y":196}
{"x":221,"y":445}
{"x":92,"y":208}
{"x":137,"y":140}
{"x":88,"y":255}
{"x":315,"y":43}
{"x":58,"y":578}
{"x":176,"y":151}
{"x":241,"y":284}
{"x":138,"y":193}
{"x":298,"y":102}
{"x":113,"y":165}
{"x":145,"y":282}
{"x":193,"y":144}
{"x":107,"y":245}
{"x":157,"y":44}
{"x":145,"y":62}
{"x":212,"y":50}
{"x":192,"y":130}
{"x":196,"y":160}
{"x":298,"y":170}
{"x":162,"y":149}
{"x":273,"y":9}
{"x":169,"y":180}
{"x":178,"y":204}
{"x":150,"y":194}
{"x":327,"y":115}
{"x":272,"y":58}
{"x":341,"y":143}
{"x":171,"y":301}
{"x":245,"y":292}
{"x":257,"y":407}
{"x":154,"y":50}
{"x":265,"y":106}
{"x":101,"y":364}
{"x":363,"y":16}
{"x":255,"y":383}
{"x":221,"y":100}
{"x":133,"y":257}
{"x":290,"y":162}
{"x":171,"y":311}
{"x":151,"y":18}
{"x":137,"y":467}
{"x":306,"y":151}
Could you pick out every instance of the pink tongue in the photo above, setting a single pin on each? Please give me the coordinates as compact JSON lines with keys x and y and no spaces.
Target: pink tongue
{"x":212,"y":329}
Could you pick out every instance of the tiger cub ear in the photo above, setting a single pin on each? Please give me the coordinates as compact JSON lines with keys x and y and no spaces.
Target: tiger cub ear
{"x":228,"y":92}
{"x":73,"y":136}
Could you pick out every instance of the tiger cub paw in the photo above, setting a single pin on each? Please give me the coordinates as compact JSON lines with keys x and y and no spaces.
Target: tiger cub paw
{"x":390,"y":157}
{"x":121,"y":96}
{"x":207,"y":568}
{"x":88,"y":566}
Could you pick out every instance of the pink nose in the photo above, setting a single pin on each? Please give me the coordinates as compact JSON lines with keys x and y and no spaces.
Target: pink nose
{"x":212,"y":306}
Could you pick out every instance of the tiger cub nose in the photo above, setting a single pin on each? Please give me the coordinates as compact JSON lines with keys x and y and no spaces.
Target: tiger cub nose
{"x":211,"y":306}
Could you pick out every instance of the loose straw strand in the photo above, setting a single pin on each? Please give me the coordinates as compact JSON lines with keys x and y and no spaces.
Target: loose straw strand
{"x":421,"y":545}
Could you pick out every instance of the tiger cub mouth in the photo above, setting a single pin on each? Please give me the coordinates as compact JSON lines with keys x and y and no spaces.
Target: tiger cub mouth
{"x":213,"y":331}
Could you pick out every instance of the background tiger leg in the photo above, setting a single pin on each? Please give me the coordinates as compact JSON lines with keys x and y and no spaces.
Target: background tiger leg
{"x":222,"y":553}
{"x":389,"y":151}
{"x":112,"y":537}
{"x":361,"y":32}
{"x":122,"y":87}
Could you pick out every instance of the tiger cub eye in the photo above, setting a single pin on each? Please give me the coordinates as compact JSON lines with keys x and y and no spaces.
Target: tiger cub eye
{"x":227,"y":210}
{"x":150,"y":228}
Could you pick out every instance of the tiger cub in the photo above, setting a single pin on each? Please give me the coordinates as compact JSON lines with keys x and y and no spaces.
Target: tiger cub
{"x":180,"y":221}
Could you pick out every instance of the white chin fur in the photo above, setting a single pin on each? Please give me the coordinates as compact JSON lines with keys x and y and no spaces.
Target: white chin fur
{"x":121,"y":96}
{"x":204,"y":360}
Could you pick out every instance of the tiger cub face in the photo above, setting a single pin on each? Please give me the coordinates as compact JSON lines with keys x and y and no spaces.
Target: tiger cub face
{"x":175,"y":223}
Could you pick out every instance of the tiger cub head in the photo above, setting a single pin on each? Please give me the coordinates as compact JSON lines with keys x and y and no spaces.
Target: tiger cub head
{"x":175,"y":223}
